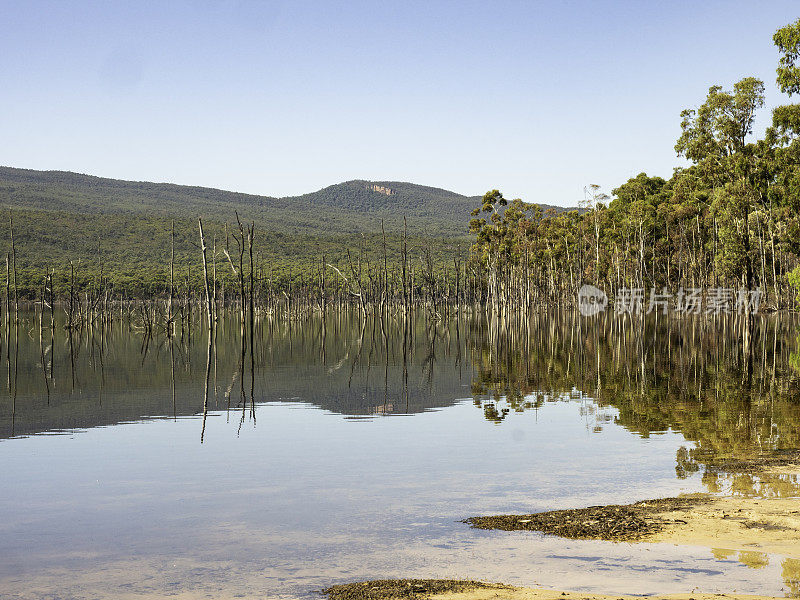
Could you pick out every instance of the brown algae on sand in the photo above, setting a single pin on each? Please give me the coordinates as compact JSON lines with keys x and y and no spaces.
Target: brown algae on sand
{"x":404,"y":589}
{"x":433,"y":589}
{"x":615,"y":522}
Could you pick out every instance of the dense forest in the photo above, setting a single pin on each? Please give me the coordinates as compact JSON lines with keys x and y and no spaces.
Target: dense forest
{"x":731,"y":219}
{"x":352,"y":207}
{"x":74,"y":226}
{"x":65,"y":222}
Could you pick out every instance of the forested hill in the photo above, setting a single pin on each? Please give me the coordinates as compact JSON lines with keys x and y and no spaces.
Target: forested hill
{"x":67,"y":220}
{"x":345,"y":208}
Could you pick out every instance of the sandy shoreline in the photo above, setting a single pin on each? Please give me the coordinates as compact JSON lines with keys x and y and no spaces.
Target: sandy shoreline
{"x":766,"y":525}
{"x":539,"y":594}
{"x":724,"y":524}
{"x":414,"y":589}
{"x":751,"y":527}
{"x":735,"y":523}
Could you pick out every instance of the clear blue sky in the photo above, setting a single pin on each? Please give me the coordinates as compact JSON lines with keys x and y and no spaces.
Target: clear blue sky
{"x":537,"y":99}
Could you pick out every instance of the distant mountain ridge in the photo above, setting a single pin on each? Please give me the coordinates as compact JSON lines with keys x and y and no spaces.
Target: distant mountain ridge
{"x":67,"y":221}
{"x":349,"y":207}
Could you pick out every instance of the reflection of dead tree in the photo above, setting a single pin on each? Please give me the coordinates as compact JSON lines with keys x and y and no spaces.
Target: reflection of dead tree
{"x":357,"y":357}
{"x":235,"y":375}
{"x":43,"y":354}
{"x":405,"y":358}
{"x":172,"y":375}
{"x":208,"y":380}
{"x":12,"y":385}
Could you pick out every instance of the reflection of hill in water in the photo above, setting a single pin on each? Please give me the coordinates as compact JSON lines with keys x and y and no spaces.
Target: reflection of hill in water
{"x":130,"y":380}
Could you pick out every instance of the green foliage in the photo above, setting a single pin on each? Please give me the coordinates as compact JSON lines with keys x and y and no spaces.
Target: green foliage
{"x":134,"y":251}
{"x":794,"y":357}
{"x":794,"y":281}
{"x":346,"y":208}
{"x":499,"y":244}
{"x":721,"y":125}
{"x":786,"y":123}
{"x":787,"y":39}
{"x":62,"y":218}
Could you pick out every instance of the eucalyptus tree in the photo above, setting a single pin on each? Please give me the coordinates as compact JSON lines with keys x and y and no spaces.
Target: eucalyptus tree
{"x":635,"y":204}
{"x":487,"y":245}
{"x":787,"y":40}
{"x":503,"y":246}
{"x":715,"y":138}
{"x":785,"y":132}
{"x":594,"y":201}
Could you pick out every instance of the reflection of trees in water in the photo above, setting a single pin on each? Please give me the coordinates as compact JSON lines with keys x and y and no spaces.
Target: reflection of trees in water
{"x":791,"y":576}
{"x":394,"y":362}
{"x":728,"y":384}
{"x":731,"y":480}
{"x":730,"y":388}
{"x":790,"y":567}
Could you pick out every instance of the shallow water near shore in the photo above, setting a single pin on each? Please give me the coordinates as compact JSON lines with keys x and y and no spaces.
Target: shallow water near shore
{"x":341,"y":450}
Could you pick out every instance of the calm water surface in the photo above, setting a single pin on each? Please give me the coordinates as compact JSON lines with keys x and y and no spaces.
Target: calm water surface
{"x":340,"y":449}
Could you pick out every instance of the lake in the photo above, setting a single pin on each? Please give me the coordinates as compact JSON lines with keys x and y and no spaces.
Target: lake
{"x":344,"y":448}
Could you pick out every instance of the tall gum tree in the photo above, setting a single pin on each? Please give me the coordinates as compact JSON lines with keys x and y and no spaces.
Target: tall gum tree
{"x":715,"y":139}
{"x":785,"y":132}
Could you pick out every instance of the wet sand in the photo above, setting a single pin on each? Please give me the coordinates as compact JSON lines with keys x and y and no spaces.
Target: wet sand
{"x":753,"y":527}
{"x":611,"y":522}
{"x":535,"y":594}
{"x":415,"y":589}
{"x":766,"y":525}
{"x":769,"y":525}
